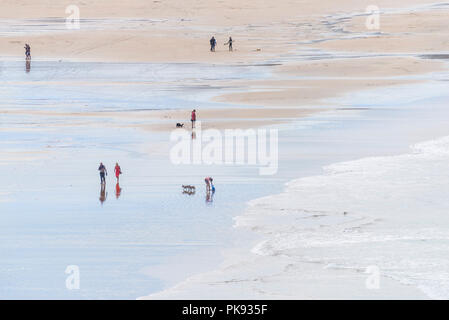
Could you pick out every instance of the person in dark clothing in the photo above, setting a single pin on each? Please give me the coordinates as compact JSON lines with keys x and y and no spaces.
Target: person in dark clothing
{"x":27,"y":51}
{"x":229,"y":43}
{"x":103,"y":172}
{"x":213,"y":43}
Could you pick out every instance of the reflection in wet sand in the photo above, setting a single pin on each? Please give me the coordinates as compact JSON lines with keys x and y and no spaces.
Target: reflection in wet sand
{"x":209,"y":197}
{"x":28,"y":65}
{"x":118,"y":190}
{"x":103,"y":193}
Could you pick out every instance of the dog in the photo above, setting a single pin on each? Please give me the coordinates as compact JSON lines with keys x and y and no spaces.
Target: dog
{"x":188,"y":189}
{"x":179,"y":125}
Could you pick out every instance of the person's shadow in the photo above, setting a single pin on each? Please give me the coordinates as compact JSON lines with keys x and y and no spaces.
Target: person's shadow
{"x":28,"y":66}
{"x":118,"y":190}
{"x":103,"y":193}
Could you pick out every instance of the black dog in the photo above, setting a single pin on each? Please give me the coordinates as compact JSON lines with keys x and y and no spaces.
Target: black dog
{"x":179,"y":125}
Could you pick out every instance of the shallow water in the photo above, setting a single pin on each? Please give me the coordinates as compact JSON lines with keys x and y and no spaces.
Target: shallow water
{"x":53,"y":211}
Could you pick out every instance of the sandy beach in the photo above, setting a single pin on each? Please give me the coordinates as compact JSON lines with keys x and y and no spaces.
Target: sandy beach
{"x":117,"y":86}
{"x":178,"y":33}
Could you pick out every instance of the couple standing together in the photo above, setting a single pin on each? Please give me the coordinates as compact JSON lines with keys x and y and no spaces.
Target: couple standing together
{"x":104,"y":172}
{"x":213,"y":44}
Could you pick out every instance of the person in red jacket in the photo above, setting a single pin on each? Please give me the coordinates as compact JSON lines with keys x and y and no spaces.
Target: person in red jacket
{"x":193,"y":119}
{"x":118,"y":171}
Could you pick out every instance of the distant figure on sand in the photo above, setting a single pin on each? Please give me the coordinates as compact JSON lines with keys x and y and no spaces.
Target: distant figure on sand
{"x":27,"y":51}
{"x":209,"y":184}
{"x":103,"y":172}
{"x":213,"y":43}
{"x":229,"y":43}
{"x":193,"y":118}
{"x":118,"y":171}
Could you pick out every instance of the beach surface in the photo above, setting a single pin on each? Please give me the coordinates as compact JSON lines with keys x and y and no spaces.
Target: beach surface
{"x":114,"y":89}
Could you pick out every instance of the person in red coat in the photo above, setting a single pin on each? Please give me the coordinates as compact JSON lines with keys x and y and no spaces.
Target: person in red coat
{"x":118,"y":172}
{"x":193,"y":119}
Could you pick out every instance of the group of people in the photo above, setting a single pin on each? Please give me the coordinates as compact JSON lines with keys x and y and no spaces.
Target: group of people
{"x":210,"y":188}
{"x":213,"y":44}
{"x":212,"y":41}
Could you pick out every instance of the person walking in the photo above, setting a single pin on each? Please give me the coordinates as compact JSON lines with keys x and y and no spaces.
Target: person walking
{"x":103,"y":173}
{"x":118,"y":171}
{"x":193,"y":118}
{"x":213,"y":43}
{"x":229,"y":43}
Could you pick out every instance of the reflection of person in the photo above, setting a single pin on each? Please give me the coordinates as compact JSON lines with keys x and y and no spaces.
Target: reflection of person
{"x":209,"y":197}
{"x":28,"y":66}
{"x":103,"y":193}
{"x":103,"y":172}
{"x":209,"y":185}
{"x":118,"y":191}
{"x":118,"y":171}
{"x":193,"y":118}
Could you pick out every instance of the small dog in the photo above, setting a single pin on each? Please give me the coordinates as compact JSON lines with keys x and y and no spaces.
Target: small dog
{"x":179,"y":125}
{"x":188,"y":189}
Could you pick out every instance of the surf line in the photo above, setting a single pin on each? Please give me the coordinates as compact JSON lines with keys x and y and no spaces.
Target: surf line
{"x":210,"y":311}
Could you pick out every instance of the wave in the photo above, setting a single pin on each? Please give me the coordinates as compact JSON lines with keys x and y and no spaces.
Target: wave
{"x":385,"y":211}
{"x":325,"y":231}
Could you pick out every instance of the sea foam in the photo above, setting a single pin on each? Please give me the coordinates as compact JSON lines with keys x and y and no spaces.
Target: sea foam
{"x":391,"y":212}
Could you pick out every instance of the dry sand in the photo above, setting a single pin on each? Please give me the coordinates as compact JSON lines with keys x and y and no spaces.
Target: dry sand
{"x":181,"y":29}
{"x":178,"y":31}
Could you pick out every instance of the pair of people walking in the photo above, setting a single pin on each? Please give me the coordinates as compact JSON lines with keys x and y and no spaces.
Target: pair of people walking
{"x":213,"y":44}
{"x":104,"y":172}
